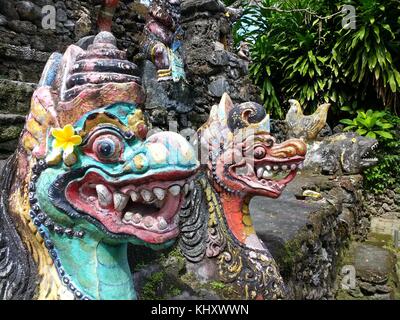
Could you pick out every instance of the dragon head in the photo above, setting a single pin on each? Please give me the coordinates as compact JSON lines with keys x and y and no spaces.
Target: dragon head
{"x":244,"y":158}
{"x":95,"y":179}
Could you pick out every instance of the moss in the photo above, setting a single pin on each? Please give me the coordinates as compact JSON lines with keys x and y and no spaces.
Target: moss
{"x":150,"y":289}
{"x":290,"y":253}
{"x":10,"y":132}
{"x":216,"y":285}
{"x":159,"y":287}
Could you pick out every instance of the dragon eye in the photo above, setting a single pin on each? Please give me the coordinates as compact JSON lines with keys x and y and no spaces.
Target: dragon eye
{"x":107,"y":148}
{"x":259,"y":152}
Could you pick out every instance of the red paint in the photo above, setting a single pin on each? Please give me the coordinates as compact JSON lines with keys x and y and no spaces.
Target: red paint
{"x":232,"y":207}
{"x":82,"y":196}
{"x":104,"y":21}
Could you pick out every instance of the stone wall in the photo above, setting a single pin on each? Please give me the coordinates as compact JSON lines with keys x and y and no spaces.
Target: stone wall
{"x":212,"y":68}
{"x":24,"y":49}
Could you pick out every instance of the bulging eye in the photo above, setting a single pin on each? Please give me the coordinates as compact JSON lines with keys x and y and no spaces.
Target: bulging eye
{"x":259,"y":152}
{"x":107,"y":148}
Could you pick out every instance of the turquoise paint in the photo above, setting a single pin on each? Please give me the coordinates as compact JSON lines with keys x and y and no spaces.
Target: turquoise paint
{"x":98,"y":264}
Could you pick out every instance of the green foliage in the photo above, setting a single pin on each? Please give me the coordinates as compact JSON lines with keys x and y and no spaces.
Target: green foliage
{"x":372,"y":124}
{"x":386,"y":174}
{"x":311,"y":57}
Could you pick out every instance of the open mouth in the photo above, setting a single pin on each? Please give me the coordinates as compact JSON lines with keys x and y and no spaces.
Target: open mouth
{"x":148,"y":211}
{"x":268,"y":177}
{"x":368,"y":156}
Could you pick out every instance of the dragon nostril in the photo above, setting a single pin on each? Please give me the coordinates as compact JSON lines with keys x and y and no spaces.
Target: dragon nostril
{"x":270,"y":142}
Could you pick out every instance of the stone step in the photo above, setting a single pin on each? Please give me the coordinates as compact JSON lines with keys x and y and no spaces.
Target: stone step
{"x":374,"y":271}
{"x":306,"y":237}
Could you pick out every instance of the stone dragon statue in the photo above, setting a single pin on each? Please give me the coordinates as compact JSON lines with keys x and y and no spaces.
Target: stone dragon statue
{"x":217,"y":235}
{"x":85,"y":181}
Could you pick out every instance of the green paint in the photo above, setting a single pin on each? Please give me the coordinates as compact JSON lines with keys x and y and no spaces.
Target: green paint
{"x":98,"y":263}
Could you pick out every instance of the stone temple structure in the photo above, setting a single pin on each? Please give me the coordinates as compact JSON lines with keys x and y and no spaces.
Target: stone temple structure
{"x":182,"y":56}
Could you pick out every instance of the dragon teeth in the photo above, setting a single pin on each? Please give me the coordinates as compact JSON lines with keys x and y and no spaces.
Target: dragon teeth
{"x":104,"y":196}
{"x":128,"y":216}
{"x":134,"y":196}
{"x":147,"y":195}
{"x":175,"y":190}
{"x":276,"y":168}
{"x":162,"y":224}
{"x":260,"y":172}
{"x":148,"y":222}
{"x":267,"y":174}
{"x":186,"y":189}
{"x":293,"y":167}
{"x":159,"y":193}
{"x":137,"y":218}
{"x":120,"y":201}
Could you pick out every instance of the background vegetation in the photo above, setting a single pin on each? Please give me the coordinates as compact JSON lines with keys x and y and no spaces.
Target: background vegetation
{"x":301,"y":50}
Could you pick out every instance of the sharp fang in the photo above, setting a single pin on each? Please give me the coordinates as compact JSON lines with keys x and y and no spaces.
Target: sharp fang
{"x":146,"y":195}
{"x":134,"y":196}
{"x":175,"y":190}
{"x":162,"y":224}
{"x":128,"y":216}
{"x":260,"y":172}
{"x":137,"y":218}
{"x":104,"y":196}
{"x":120,"y":201}
{"x":160,"y":193}
{"x":186,"y":189}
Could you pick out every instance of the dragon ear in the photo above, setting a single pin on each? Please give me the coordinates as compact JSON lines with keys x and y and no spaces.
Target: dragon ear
{"x":265,"y":124}
{"x":225,"y":106}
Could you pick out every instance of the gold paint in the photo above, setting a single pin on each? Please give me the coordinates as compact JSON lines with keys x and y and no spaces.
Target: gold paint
{"x":34,"y":128}
{"x":135,"y":120}
{"x":54,"y":158}
{"x":139,"y":160}
{"x":99,"y":119}
{"x":29,"y":142}
{"x":50,"y":286}
{"x":245,"y":209}
{"x":38,"y":111}
{"x":249,"y":230}
{"x":247,"y":220}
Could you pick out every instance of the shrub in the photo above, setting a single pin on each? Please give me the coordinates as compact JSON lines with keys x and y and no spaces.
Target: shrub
{"x":309,"y":56}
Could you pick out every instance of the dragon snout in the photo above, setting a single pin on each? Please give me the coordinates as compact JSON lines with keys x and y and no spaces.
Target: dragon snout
{"x":170,"y":148}
{"x":289,"y":149}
